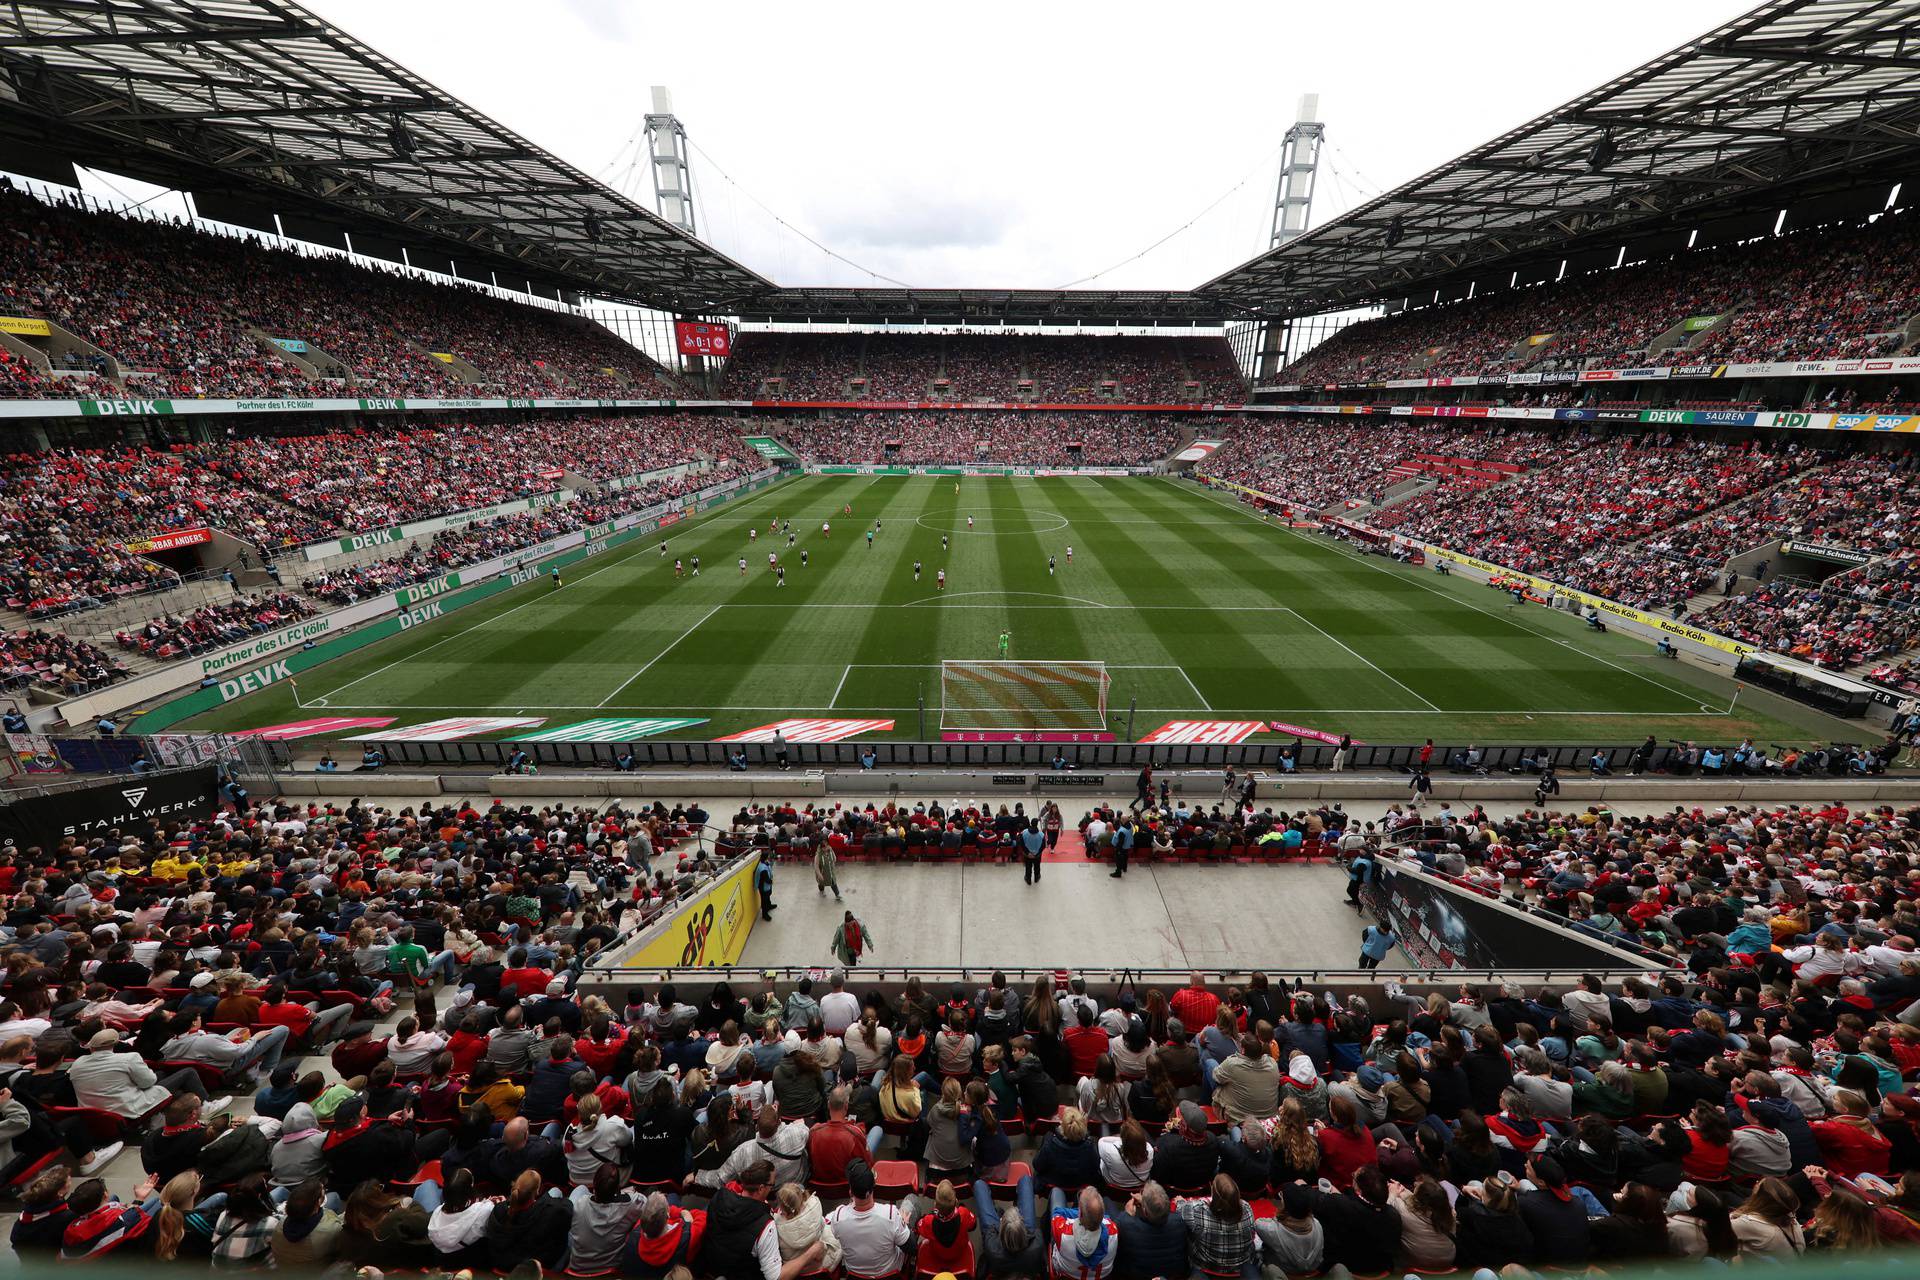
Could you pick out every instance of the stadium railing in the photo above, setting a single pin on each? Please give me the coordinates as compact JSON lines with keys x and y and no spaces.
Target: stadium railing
{"x":1081,"y":757}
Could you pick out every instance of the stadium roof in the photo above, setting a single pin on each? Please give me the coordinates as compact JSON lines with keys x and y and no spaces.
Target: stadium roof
{"x":986,"y":306}
{"x":259,"y":107}
{"x":1815,"y":94}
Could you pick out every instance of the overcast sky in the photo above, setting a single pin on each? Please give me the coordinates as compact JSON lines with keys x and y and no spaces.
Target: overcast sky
{"x":1026,"y":145}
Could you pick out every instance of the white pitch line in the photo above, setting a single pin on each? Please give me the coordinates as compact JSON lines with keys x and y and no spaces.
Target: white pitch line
{"x":618,"y":559}
{"x":1196,"y":688}
{"x":663,"y":653}
{"x":837,"y":688}
{"x":1356,"y":653}
{"x":1415,"y":581}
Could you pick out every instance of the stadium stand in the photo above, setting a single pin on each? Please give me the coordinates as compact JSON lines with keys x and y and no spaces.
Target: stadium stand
{"x":1319,"y":462}
{"x":1750,"y":1102}
{"x":452,"y":548}
{"x":1015,"y":436}
{"x":1574,"y":522}
{"x":775,"y":365}
{"x":1818,"y":294}
{"x":64,"y":514}
{"x":188,"y":314}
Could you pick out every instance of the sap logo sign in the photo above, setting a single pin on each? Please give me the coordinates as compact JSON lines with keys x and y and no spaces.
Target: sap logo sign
{"x":425,"y":613}
{"x":379,"y":538}
{"x":251,"y":682}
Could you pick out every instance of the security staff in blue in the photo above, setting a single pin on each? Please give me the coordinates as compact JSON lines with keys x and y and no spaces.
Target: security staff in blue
{"x":763,"y":885}
{"x":1376,"y":941}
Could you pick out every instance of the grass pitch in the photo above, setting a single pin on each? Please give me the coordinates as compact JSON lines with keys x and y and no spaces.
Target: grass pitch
{"x":1200,"y":610}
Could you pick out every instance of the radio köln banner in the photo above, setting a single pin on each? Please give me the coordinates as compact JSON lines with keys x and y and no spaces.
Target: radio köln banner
{"x":124,"y":804}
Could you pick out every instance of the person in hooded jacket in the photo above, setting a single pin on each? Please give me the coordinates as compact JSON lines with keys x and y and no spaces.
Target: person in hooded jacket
{"x":1362,"y":1228}
{"x":528,"y":1226}
{"x":946,"y":1234}
{"x":1489,"y":1231}
{"x":664,"y":1236}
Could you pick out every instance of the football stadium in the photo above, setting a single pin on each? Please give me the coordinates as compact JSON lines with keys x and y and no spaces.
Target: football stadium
{"x":1386,"y":746}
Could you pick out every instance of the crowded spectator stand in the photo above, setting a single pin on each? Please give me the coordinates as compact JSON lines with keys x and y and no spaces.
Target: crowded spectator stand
{"x":1751,"y":1101}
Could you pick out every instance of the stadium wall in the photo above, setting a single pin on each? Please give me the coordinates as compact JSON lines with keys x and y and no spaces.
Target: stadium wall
{"x":709,"y":930}
{"x":1449,"y":926}
{"x":238,"y":671}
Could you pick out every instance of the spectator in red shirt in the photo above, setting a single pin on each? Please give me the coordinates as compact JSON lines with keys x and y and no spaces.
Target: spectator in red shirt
{"x":1193,"y":1004}
{"x":1849,"y":1142}
{"x":1085,"y":1042}
{"x":837,"y":1140}
{"x":601,"y":1045}
{"x":1345,"y":1143}
{"x":528,"y":980}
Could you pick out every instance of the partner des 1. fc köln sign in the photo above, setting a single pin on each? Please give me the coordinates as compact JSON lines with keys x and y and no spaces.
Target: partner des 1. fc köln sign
{"x":127,"y":803}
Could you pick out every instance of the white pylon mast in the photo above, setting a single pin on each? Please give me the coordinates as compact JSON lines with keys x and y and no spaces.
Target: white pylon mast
{"x":672,"y":174}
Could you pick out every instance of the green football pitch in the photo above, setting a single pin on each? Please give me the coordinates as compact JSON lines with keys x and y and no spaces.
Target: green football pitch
{"x":1200,"y":610}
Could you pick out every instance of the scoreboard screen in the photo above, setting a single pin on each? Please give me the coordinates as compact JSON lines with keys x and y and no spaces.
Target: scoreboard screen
{"x":700,"y":338}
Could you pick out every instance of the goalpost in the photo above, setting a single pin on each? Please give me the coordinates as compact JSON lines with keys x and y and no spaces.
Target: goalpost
{"x":981,"y":695}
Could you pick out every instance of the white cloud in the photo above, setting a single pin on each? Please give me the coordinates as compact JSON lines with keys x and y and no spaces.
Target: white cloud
{"x":1023,"y":145}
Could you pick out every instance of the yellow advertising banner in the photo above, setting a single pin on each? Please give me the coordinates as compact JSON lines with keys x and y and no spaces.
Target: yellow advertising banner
{"x":710,"y":929}
{"x":28,"y":327}
{"x":1546,"y":587}
{"x":444,"y":357}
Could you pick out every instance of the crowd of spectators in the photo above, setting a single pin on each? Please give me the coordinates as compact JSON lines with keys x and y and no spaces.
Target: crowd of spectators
{"x":1051,"y":369}
{"x":188,"y":314}
{"x":1318,"y":462}
{"x":1578,"y":519}
{"x":1858,"y":616}
{"x":212,"y":626}
{"x":30,"y":658}
{"x":66,"y":515}
{"x":1819,"y":294}
{"x":452,"y":549}
{"x":1751,"y":1103}
{"x":1012,"y":436}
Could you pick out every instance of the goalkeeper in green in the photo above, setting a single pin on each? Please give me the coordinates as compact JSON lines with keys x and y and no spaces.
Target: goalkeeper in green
{"x":1006,"y":643}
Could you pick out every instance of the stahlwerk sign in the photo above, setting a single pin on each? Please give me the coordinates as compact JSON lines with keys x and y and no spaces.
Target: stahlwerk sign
{"x":120,"y":805}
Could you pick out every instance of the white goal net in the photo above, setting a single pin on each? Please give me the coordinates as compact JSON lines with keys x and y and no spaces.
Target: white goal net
{"x":979,"y":695}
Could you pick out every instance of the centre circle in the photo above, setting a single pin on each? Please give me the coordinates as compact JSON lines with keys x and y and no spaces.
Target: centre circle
{"x":983,"y":525}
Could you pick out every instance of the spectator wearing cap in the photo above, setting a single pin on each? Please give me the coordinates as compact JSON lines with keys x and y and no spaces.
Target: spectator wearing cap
{"x":1555,"y":1218}
{"x":1186,"y":1158}
{"x":121,"y":1083}
{"x":358,"y":1052}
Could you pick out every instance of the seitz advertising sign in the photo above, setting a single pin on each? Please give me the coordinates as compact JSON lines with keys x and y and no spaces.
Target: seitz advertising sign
{"x":124,"y":804}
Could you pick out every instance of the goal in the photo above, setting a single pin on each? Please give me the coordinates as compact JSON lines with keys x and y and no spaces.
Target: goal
{"x":978,"y":695}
